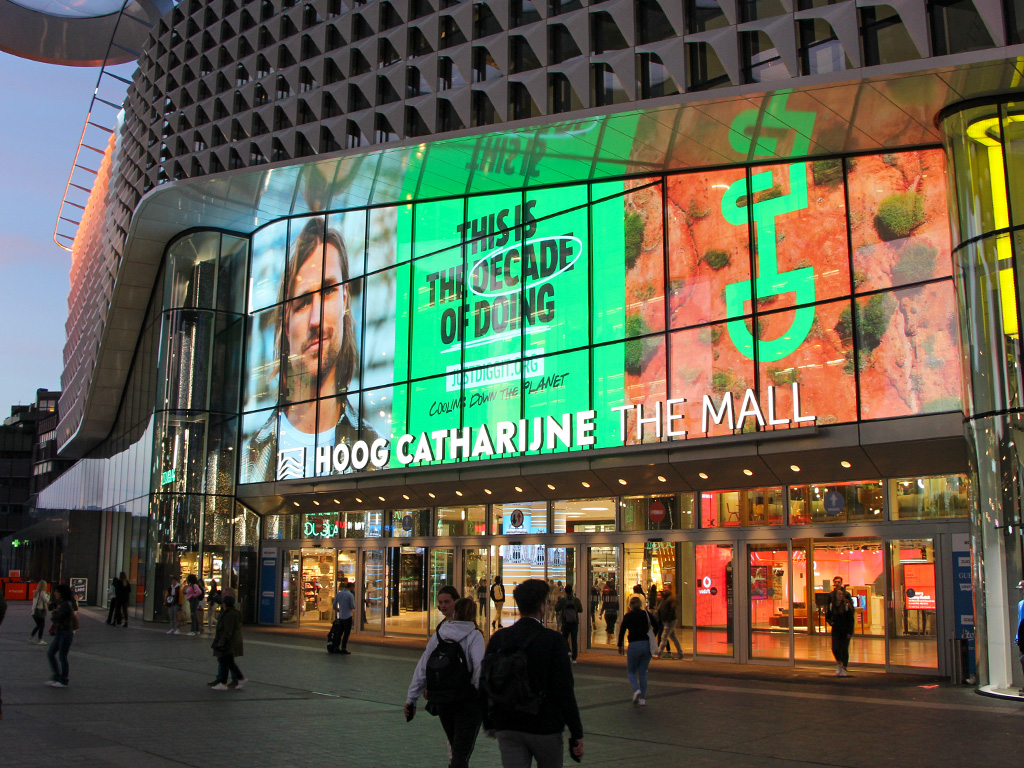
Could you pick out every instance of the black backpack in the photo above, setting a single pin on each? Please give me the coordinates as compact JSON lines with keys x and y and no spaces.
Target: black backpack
{"x":569,"y":613}
{"x":504,"y":676}
{"x":448,"y":677}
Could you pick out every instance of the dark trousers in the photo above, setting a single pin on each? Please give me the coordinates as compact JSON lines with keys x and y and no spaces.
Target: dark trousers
{"x":121,"y":612}
{"x":226,"y":664}
{"x":58,"y":652}
{"x":40,"y":620}
{"x":841,"y":647}
{"x":571,"y":632}
{"x":610,"y":617}
{"x":112,"y":610}
{"x":346,"y":630}
{"x":461,"y":723}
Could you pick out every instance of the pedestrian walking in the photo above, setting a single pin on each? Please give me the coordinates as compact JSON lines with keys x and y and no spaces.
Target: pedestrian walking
{"x":527,"y":688}
{"x":122,"y":593}
{"x":498,"y":598}
{"x":213,"y":601}
{"x":668,"y":615}
{"x":227,"y":646}
{"x":194,"y":595}
{"x":62,"y":614}
{"x":569,"y":609}
{"x":639,"y":627}
{"x":39,"y":605}
{"x":481,"y":600}
{"x":448,"y":673}
{"x":344,"y":606}
{"x":610,"y":608}
{"x":172,"y":599}
{"x":638,"y":591}
{"x":840,"y":616}
{"x":111,"y":601}
{"x":652,"y":597}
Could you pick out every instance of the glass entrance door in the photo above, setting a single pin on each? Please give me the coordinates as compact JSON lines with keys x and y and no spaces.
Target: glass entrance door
{"x":771,"y":607}
{"x":407,"y":605}
{"x":318,"y":586}
{"x":477,"y":584}
{"x":913,"y":641}
{"x":374,"y":590}
{"x":605,"y":604}
{"x":715,"y":619}
{"x":291,"y":587}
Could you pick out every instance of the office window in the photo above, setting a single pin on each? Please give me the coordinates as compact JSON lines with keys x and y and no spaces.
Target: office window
{"x":483,"y":110}
{"x":561,"y":46}
{"x":820,"y":51}
{"x":484,"y":66}
{"x":751,"y":10}
{"x":450,"y":33}
{"x":705,"y":68}
{"x":884,"y":37}
{"x":448,"y":75}
{"x":652,"y":77}
{"x":607,"y":88}
{"x":520,"y":104}
{"x":557,"y":7}
{"x":383,"y":132}
{"x":761,"y":60}
{"x":652,"y":24}
{"x":522,"y":12}
{"x":485,"y":23}
{"x":447,"y":118}
{"x":956,"y":27}
{"x":561,"y":96}
{"x":418,"y":43}
{"x":605,"y":34}
{"x":702,"y":15}
{"x":521,"y":55}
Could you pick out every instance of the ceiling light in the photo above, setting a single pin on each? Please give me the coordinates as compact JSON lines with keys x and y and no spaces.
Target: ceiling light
{"x":585,"y":484}
{"x":405,"y":496}
{"x":662,"y":479}
{"x":381,"y":498}
{"x":295,"y":503}
{"x":458,"y":493}
{"x":622,"y":481}
{"x":748,"y":473}
{"x":518,"y":489}
{"x":794,"y":467}
{"x":431,"y":495}
{"x":845,"y":464}
{"x":316,"y":503}
{"x":702,"y":476}
{"x":359,"y":500}
{"x":337,"y":502}
{"x":551,"y":487}
{"x":487,"y":491}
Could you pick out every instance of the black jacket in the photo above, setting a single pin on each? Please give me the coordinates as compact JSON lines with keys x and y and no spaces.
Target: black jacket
{"x":547,"y":659}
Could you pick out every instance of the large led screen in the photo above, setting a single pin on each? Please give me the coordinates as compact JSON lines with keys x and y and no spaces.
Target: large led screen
{"x":586,"y":316}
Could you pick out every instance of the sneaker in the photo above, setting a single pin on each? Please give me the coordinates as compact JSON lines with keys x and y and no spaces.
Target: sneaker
{"x":219,"y":687}
{"x":192,"y":634}
{"x":57,"y":684}
{"x":636,"y":697}
{"x":42,"y":642}
{"x":574,"y":661}
{"x":642,"y":702}
{"x":238,"y":684}
{"x":842,"y":672}
{"x":171,"y":631}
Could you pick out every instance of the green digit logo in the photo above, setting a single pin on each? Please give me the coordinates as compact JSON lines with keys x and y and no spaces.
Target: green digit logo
{"x":769,"y":281}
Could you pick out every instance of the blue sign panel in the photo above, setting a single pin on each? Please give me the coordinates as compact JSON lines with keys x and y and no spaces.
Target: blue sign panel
{"x":268,"y":586}
{"x":834,"y":503}
{"x":963,"y":596}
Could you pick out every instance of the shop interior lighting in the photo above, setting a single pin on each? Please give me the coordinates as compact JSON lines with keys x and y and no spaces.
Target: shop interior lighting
{"x":748,"y":473}
{"x":585,"y":484}
{"x":337,"y":502}
{"x":702,"y":475}
{"x":551,"y":487}
{"x":431,"y":495}
{"x":845,"y":464}
{"x":316,"y":503}
{"x":360,"y":501}
{"x":381,"y":498}
{"x":662,"y":479}
{"x":405,"y":496}
{"x":458,"y":493}
{"x":518,"y":489}
{"x":487,"y":491}
{"x":794,"y":467}
{"x":622,"y":481}
{"x":295,"y":503}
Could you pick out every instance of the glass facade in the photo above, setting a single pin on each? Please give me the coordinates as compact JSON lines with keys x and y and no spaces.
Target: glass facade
{"x":528,"y":309}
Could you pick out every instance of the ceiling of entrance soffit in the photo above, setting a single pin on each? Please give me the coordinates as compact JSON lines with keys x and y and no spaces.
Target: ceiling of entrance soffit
{"x":921,"y":445}
{"x":882,"y":112}
{"x":78,"y":32}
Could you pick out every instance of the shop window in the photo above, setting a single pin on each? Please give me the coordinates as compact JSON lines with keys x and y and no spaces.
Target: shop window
{"x":583,"y":515}
{"x":462,"y":521}
{"x":956,"y":27}
{"x":519,"y":518}
{"x":835,"y":503}
{"x":405,"y":523}
{"x":750,"y":507}
{"x":669,"y":512}
{"x":929,"y":498}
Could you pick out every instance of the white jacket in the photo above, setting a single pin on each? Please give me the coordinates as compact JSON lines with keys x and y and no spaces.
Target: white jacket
{"x":472,"y":642}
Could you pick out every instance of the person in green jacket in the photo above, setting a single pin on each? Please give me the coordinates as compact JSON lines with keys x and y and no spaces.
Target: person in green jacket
{"x":227,"y":646}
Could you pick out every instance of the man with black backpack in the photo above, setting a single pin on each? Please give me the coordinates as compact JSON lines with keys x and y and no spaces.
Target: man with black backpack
{"x":568,"y":610}
{"x":448,"y":674}
{"x":526,"y":687}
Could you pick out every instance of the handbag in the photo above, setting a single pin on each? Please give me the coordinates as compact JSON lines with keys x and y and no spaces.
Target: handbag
{"x":651,"y":637}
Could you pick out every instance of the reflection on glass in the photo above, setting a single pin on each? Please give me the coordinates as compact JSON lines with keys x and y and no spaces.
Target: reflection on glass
{"x":583,"y":515}
{"x":835,"y":503}
{"x":373,"y":591}
{"x":927,"y":498}
{"x":606,"y":606}
{"x":912,"y":626}
{"x":462,"y":521}
{"x":660,"y":512}
{"x":751,"y":507}
{"x":771,"y":616}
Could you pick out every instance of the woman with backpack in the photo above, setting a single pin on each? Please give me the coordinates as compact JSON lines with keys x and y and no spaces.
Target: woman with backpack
{"x":568,"y":609}
{"x":640,"y":626}
{"x":448,"y":673}
{"x":498,"y":597}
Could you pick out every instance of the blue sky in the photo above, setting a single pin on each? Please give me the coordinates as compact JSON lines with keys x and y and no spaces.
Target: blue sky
{"x":45,"y":108}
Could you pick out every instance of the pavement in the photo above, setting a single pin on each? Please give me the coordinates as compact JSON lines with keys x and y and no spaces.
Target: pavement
{"x":138,"y":699}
